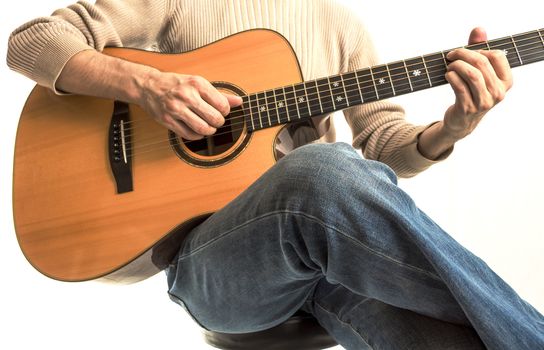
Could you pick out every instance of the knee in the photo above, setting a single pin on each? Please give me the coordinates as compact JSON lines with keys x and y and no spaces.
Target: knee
{"x":328,"y":172}
{"x":336,"y":162}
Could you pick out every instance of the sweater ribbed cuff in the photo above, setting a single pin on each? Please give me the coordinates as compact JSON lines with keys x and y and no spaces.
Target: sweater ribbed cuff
{"x":54,"y":57}
{"x":414,"y":159}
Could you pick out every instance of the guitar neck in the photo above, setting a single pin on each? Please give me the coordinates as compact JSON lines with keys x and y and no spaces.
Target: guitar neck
{"x":326,"y":95}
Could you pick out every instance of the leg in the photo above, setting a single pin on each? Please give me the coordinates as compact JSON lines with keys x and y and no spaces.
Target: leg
{"x":324,"y":212}
{"x":360,"y":322}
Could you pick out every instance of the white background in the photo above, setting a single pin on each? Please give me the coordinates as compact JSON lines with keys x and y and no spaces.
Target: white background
{"x":488,"y":194}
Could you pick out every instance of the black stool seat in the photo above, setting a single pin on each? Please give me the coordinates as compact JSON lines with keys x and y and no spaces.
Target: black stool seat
{"x":300,"y":332}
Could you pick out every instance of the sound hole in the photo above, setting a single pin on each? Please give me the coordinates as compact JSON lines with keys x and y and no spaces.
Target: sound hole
{"x":224,"y":138}
{"x":223,"y":146}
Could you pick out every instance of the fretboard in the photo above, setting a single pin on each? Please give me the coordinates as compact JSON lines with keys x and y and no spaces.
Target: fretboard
{"x":326,"y":95}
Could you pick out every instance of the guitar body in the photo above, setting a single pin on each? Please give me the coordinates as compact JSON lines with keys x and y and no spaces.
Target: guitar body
{"x":71,"y":222}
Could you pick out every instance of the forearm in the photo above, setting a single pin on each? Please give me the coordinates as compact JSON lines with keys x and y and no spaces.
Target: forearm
{"x":95,"y":74}
{"x":186,"y":104}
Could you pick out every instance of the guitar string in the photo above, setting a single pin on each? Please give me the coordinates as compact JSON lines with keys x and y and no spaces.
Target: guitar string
{"x":141,"y":146}
{"x":165,"y":143}
{"x":388,"y":90}
{"x":508,"y":44}
{"x":236,"y":116}
{"x":161,"y":140}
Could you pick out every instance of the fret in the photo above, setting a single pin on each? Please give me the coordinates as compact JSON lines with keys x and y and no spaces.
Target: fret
{"x":352,"y":88}
{"x":344,"y":88}
{"x":506,"y":46}
{"x":359,"y":87}
{"x":436,"y":69}
{"x":530,"y":46}
{"x":374,"y":84}
{"x":382,"y":81}
{"x":291,"y":102}
{"x":247,"y":99}
{"x":330,"y":96}
{"x":313,"y":98}
{"x":541,"y":37}
{"x":417,"y":73}
{"x":339,"y":93}
{"x":317,"y":84}
{"x":516,"y":48}
{"x":408,"y":75}
{"x":277,"y":106}
{"x":260,"y":104}
{"x":271,"y":111}
{"x":303,"y":104}
{"x":444,"y":58}
{"x":367,"y":85}
{"x":400,"y":78}
{"x":427,"y":71}
{"x":390,"y":79}
{"x":281,"y":106}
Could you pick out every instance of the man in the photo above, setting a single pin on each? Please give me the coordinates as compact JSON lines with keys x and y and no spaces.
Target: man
{"x":346,"y":245}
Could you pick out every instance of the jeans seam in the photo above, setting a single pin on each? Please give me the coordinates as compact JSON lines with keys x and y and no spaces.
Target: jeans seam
{"x":321,"y":223}
{"x":345,"y":323}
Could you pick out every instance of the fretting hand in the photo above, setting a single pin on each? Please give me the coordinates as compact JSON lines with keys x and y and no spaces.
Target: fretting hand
{"x":480,"y":80}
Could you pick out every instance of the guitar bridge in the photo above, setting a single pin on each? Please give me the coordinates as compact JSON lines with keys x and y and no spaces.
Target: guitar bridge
{"x":120,"y":147}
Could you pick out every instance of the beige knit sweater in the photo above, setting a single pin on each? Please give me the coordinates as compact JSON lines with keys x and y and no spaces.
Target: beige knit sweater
{"x":327,"y":39}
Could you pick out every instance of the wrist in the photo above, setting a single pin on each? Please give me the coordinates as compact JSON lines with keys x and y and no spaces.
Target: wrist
{"x":140,"y":82}
{"x":435,"y":141}
{"x":448,"y":134}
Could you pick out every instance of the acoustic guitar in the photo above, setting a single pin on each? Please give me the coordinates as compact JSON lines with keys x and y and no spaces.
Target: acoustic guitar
{"x":102,"y":191}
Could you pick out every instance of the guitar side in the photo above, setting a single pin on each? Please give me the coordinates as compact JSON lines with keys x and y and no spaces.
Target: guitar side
{"x":71,"y":223}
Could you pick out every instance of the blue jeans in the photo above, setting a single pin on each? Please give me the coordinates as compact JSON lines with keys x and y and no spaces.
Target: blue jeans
{"x":329,"y":232}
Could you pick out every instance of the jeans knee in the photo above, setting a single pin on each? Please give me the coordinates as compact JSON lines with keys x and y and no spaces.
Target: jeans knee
{"x":324,"y":173}
{"x":337,"y":161}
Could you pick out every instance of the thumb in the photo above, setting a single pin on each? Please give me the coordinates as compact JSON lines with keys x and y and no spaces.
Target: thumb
{"x":234,"y":100}
{"x":477,"y":35}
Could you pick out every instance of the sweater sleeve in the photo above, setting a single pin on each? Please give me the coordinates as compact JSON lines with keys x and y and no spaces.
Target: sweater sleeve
{"x":380,"y":128}
{"x":39,"y":49}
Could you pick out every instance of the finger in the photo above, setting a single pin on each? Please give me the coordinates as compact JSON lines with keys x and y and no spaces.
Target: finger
{"x":206,"y":112}
{"x":233,"y":100}
{"x":476,"y":59}
{"x":477,"y":35}
{"x":209,"y":117}
{"x":213,"y":96}
{"x":194,"y":122}
{"x":475,"y":81}
{"x":181,"y":129}
{"x":212,"y":115}
{"x":480,"y":62}
{"x":500,"y":65}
